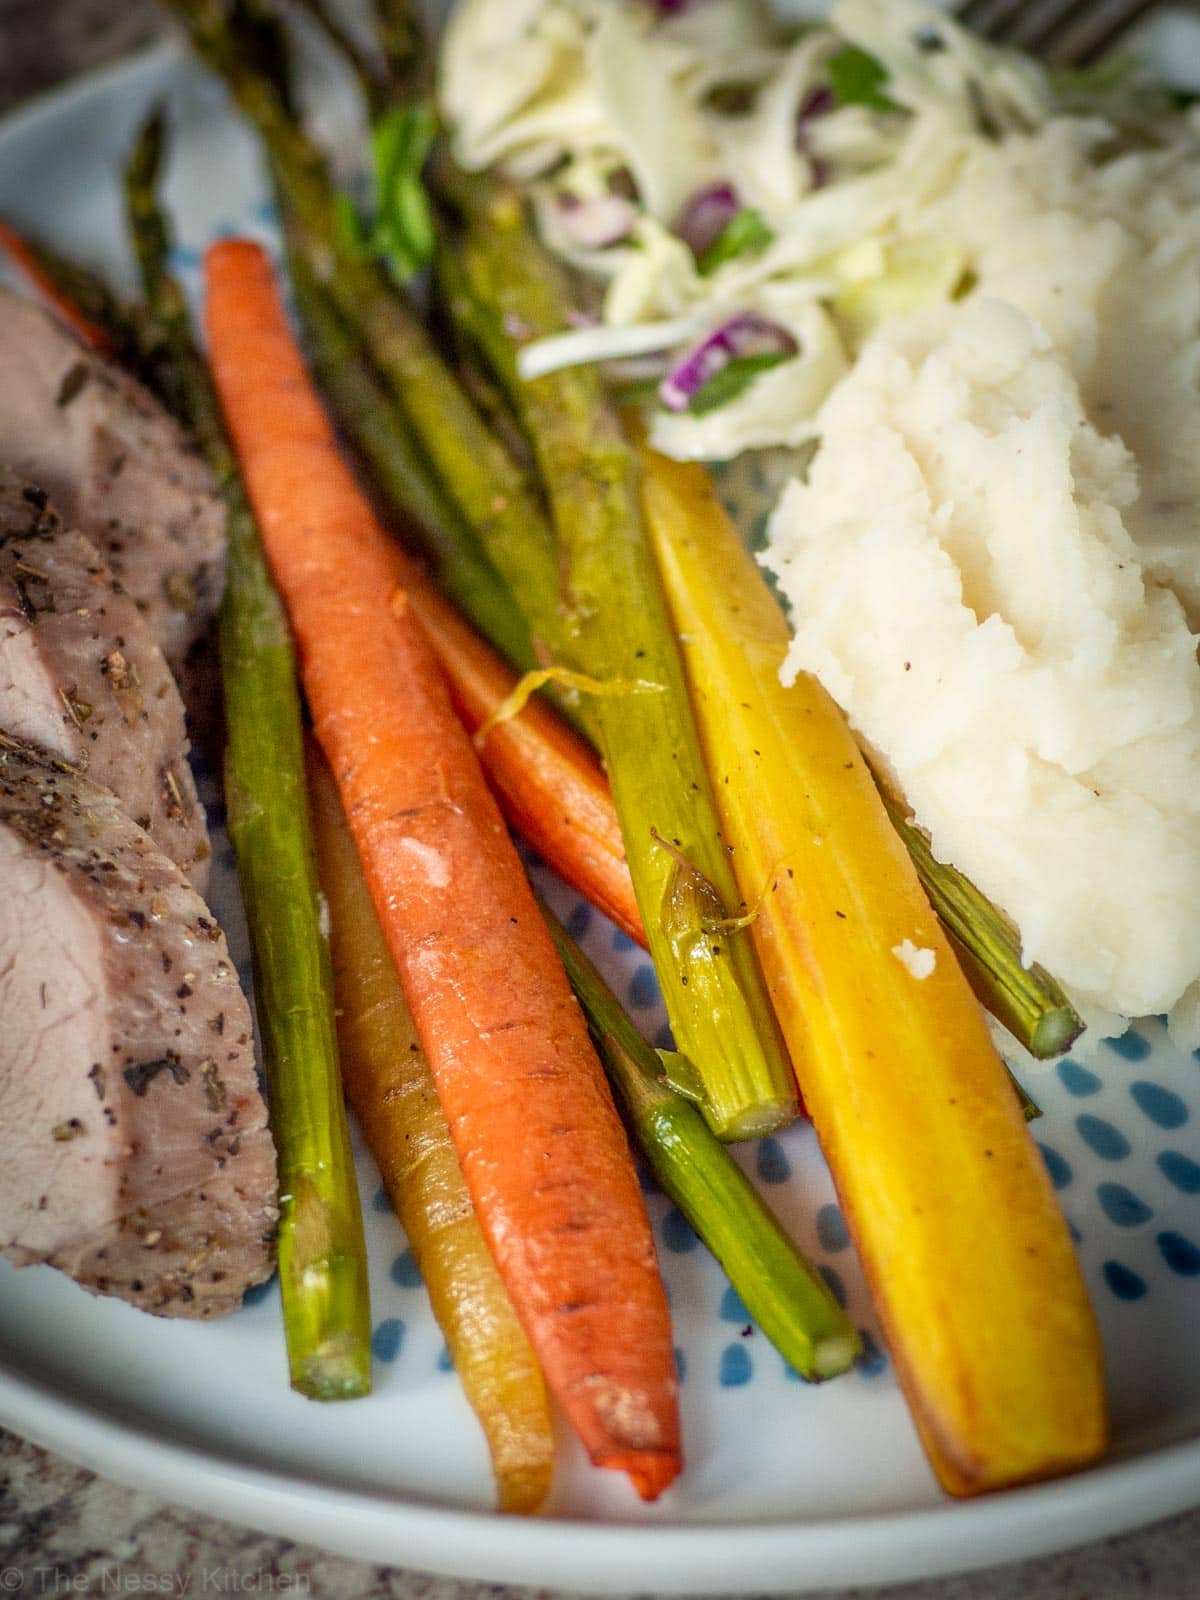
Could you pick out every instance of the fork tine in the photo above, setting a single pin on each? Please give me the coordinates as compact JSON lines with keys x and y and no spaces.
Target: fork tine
{"x":1042,"y":22}
{"x":1063,"y":32}
{"x":1101,"y":32}
{"x":987,"y":17}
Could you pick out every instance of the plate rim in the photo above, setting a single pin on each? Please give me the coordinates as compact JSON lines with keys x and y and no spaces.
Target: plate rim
{"x":730,"y":1556}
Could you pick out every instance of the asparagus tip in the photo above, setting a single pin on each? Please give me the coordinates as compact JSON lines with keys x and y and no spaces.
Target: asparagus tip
{"x":1055,"y":1031}
{"x":835,"y":1353}
{"x":335,"y":1370}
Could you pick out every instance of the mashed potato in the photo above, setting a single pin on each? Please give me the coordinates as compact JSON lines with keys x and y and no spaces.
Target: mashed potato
{"x":974,"y":574}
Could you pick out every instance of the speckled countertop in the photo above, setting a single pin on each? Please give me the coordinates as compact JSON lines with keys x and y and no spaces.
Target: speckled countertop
{"x":66,"y":1531}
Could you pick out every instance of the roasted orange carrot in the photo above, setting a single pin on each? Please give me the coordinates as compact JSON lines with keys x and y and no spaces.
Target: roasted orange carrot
{"x":549,"y":783}
{"x":38,"y":273}
{"x":541,"y":1146}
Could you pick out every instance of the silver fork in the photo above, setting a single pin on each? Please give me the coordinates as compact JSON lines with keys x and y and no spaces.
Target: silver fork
{"x":1065,"y":33}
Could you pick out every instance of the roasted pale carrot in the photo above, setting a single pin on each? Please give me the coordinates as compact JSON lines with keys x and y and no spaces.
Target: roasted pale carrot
{"x":391,"y":1088}
{"x":541,"y":1146}
{"x":32,"y":265}
{"x":549,"y":783}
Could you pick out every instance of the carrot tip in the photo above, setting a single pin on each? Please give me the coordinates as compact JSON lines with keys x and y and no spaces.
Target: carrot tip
{"x":649,"y":1472}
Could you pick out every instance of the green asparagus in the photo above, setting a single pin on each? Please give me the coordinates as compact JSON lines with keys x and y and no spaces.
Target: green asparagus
{"x":322,"y":1255}
{"x":619,"y":631}
{"x":784,"y":1295}
{"x":1027,"y":1000}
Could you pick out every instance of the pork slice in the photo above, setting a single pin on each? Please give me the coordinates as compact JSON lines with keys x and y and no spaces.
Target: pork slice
{"x":117,"y":467}
{"x":137,"y":1154}
{"x":81,"y":675}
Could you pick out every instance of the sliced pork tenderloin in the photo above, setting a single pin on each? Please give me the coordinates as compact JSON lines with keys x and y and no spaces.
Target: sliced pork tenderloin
{"x":81,"y":675}
{"x":117,"y":467}
{"x":138,"y":1158}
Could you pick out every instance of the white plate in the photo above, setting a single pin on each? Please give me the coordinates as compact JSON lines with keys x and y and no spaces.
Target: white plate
{"x":787,"y":1487}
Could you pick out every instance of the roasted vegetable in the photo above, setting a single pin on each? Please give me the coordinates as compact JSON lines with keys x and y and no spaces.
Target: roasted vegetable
{"x":322,"y":1255}
{"x":788,"y":1299}
{"x":391,"y":1089}
{"x":619,"y":633}
{"x":967,"y":1253}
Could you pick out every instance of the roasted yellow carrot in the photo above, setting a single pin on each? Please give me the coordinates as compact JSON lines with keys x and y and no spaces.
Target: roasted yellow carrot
{"x":389,"y":1084}
{"x":967,"y":1253}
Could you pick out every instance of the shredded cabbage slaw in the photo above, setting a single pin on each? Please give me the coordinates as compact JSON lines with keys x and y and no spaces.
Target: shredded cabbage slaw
{"x":710,"y":172}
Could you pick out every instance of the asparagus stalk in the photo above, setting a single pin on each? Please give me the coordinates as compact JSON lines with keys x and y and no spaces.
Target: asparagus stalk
{"x":368,"y":72}
{"x":380,"y":432}
{"x":491,"y":492}
{"x":1026,"y":999}
{"x":402,"y":44}
{"x":620,"y":632}
{"x":783,"y":1293}
{"x":322,"y":1255}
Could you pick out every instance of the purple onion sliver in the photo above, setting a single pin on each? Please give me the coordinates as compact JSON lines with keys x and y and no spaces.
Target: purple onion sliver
{"x":594,"y":224}
{"x":745,"y":335}
{"x":822,"y":172}
{"x":706,"y":216}
{"x":819,"y":102}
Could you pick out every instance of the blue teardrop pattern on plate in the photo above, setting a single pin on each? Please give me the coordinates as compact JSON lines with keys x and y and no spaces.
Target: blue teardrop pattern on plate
{"x":733,"y":1307}
{"x":680,"y":1363}
{"x":1163,"y":1106}
{"x":873,"y":1360}
{"x":381,"y":1201}
{"x":184,"y":258}
{"x":387,"y":1339}
{"x":647,"y":1182}
{"x":1180,"y":1254}
{"x":736,"y":1367}
{"x":405,"y":1272}
{"x":832,"y":1231}
{"x":1102,"y":1138}
{"x":1122,"y":1207}
{"x":1077,"y":1080}
{"x":444,"y":1363}
{"x":1180,"y":1171}
{"x":1057,"y":1166}
{"x":643,"y":987}
{"x":1130,"y":1046}
{"x":677,"y":1232}
{"x":580,"y":920}
{"x":771,"y":1162}
{"x":258,"y":1292}
{"x":1124,"y":1282}
{"x":833,"y":1281}
{"x":621,"y":942}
